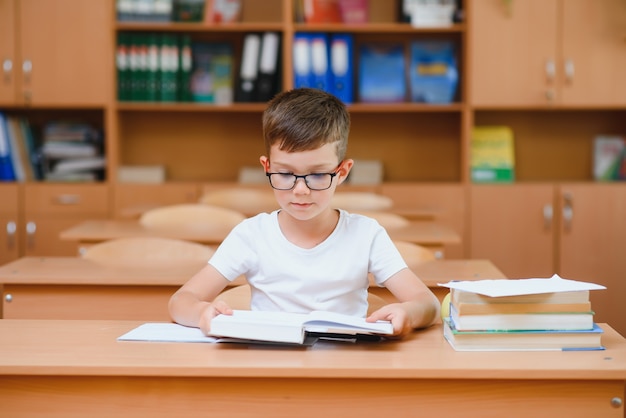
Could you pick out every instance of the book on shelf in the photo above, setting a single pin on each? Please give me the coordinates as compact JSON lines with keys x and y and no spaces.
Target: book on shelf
{"x":382,"y":73}
{"x":433,"y":71}
{"x":492,"y":154}
{"x":223,"y":11}
{"x":534,"y":340}
{"x":609,"y":158}
{"x":7,"y":171}
{"x":267,"y":327}
{"x":211,"y":76}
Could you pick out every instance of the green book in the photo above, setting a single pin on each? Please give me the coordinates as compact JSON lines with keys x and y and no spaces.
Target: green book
{"x":122,"y":60}
{"x":492,"y":155}
{"x":152,"y":92}
{"x":169,"y":68}
{"x":185,"y":65}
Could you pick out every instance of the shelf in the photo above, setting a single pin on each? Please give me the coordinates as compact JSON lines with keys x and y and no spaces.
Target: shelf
{"x":379,"y":28}
{"x":198,"y":27}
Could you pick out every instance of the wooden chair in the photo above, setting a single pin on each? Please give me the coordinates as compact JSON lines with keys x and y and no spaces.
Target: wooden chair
{"x":191,"y":218}
{"x":357,"y":201}
{"x":414,"y":253}
{"x":245,"y":200}
{"x":239,"y":298}
{"x":147,"y":251}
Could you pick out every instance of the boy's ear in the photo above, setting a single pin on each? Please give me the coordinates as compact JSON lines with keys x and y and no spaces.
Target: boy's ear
{"x":344,"y":170}
{"x":265,"y":162}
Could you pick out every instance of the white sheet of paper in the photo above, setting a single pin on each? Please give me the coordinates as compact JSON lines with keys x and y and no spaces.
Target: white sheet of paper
{"x":515,"y":287}
{"x":166,"y":332}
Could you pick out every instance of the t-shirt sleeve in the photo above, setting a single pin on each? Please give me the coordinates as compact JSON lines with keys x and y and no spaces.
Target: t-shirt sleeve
{"x":385,"y":259}
{"x":235,"y":255}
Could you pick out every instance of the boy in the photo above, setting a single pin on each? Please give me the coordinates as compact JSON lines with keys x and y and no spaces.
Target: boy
{"x":307,"y":255}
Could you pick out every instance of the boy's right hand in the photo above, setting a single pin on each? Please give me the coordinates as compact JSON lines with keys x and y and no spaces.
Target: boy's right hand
{"x":211,"y":311}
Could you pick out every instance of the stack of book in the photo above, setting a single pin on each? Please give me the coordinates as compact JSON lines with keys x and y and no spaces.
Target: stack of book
{"x":522,"y":314}
{"x":72,"y":151}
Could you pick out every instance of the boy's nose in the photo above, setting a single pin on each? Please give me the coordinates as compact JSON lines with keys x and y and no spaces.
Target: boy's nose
{"x":301,"y":187}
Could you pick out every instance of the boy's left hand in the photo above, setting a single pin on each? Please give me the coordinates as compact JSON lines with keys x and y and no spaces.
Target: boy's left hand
{"x":398,"y":316}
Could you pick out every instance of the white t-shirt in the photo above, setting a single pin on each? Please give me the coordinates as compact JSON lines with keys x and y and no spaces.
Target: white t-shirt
{"x":332,"y":276}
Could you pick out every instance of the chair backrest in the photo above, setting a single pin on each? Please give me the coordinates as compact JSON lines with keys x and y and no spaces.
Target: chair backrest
{"x":414,"y":253}
{"x":238,"y":297}
{"x":195,"y":218}
{"x":245,"y":200}
{"x":356,"y":201}
{"x":147,"y":251}
{"x":388,"y":220}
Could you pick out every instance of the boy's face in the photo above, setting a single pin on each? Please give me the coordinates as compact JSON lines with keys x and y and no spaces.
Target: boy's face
{"x":301,"y":202}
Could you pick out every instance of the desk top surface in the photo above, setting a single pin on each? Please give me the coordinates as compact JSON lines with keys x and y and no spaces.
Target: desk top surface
{"x":421,"y":232}
{"x":79,"y":271}
{"x":83,"y":347}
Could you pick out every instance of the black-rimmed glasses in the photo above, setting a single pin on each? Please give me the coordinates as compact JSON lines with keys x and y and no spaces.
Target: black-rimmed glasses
{"x":314,"y":181}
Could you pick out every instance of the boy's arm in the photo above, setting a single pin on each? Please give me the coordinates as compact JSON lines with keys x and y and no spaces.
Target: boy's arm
{"x":417,"y":306}
{"x":191,"y":304}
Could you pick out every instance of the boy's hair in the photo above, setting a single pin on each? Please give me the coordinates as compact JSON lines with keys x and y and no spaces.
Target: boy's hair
{"x":305,"y":119}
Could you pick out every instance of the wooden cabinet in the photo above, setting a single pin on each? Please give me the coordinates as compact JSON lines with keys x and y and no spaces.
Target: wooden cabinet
{"x":576,"y":230}
{"x":51,"y":208}
{"x":55,"y":53}
{"x":547,"y":52}
{"x":591,"y":244}
{"x":9,"y":222}
{"x":514,"y":227}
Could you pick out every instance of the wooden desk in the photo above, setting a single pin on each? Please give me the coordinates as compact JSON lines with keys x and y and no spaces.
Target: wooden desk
{"x":78,"y":369}
{"x":72,"y":287}
{"x":430,"y":234}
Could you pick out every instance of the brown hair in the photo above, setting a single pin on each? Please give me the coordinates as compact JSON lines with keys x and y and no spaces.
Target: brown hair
{"x":306,"y":119}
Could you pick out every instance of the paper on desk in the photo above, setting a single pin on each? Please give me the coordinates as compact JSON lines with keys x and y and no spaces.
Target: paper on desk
{"x":515,"y":287}
{"x":166,"y":332}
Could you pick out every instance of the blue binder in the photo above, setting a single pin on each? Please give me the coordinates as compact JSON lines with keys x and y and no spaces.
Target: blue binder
{"x":6,"y":166}
{"x":302,"y":76}
{"x":341,"y":67}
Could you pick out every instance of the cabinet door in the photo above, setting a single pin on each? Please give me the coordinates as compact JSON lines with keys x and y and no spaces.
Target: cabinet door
{"x":512,"y":226}
{"x":513,"y":52}
{"x":594,"y":52}
{"x":67,"y":44}
{"x":8,"y":57}
{"x":9,"y":229}
{"x":52,"y":208}
{"x":591,"y":245}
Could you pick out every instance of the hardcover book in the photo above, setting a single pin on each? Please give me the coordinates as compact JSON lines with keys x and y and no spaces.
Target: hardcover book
{"x":492,"y":154}
{"x":523,"y":340}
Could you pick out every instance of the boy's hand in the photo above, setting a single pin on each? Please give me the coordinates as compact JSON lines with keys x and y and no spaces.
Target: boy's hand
{"x":398,"y":316}
{"x":211,"y":311}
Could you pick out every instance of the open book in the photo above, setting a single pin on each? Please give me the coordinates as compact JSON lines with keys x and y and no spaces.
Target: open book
{"x":261,"y":326}
{"x":292,"y":327}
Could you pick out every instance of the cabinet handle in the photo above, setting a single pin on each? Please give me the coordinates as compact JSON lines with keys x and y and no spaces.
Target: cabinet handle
{"x":568,"y":211}
{"x":7,"y":68}
{"x":11,"y":229}
{"x":67,"y":199}
{"x":569,"y":71}
{"x":8,"y":298}
{"x":550,"y":71}
{"x":547,"y":217}
{"x":31,"y":228}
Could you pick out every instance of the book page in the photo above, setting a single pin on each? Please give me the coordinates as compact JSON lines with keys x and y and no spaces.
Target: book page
{"x":166,"y":332}
{"x":515,"y":287}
